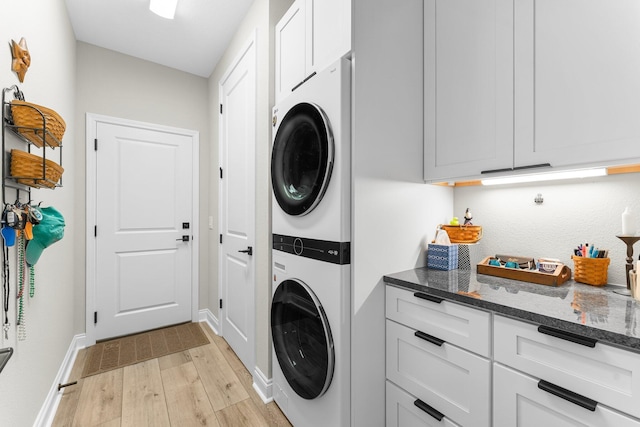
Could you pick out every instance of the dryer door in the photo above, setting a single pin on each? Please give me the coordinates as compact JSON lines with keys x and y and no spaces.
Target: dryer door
{"x":302,"y":159}
{"x":302,"y":339}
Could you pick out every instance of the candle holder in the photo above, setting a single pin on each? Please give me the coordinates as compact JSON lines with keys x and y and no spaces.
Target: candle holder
{"x":629,"y":240}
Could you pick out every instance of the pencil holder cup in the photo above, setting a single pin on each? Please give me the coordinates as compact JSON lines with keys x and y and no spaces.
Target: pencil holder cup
{"x":591,"y":271}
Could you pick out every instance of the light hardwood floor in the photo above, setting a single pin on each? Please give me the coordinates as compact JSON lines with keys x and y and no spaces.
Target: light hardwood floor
{"x":204,"y":386}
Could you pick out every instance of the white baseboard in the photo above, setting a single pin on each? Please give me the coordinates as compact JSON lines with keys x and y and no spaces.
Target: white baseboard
{"x":262,"y":385}
{"x":207,"y":316}
{"x":50,"y":405}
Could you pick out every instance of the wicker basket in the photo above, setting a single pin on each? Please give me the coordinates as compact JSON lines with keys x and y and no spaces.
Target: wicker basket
{"x":592,"y":271}
{"x":26,"y":168}
{"x":463,"y":233}
{"x":29,"y":122}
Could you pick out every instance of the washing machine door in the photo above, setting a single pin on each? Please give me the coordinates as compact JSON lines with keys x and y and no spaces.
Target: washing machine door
{"x":302,"y":339}
{"x":302,"y":159}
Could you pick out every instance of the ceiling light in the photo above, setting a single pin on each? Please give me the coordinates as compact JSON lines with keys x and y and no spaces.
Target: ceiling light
{"x":551,"y":176}
{"x":164,"y":8}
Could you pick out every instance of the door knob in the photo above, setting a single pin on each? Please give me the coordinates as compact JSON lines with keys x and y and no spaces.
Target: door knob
{"x":248,"y":251}
{"x":184,"y":238}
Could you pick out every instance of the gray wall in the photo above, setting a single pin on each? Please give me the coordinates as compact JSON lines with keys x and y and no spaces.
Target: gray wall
{"x":117,"y":85}
{"x":49,"y":316}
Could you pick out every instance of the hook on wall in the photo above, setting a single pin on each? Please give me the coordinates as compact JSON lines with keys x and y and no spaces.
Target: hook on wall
{"x":538,"y":200}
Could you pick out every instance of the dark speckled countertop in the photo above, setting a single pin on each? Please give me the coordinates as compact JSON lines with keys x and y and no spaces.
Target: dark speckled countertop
{"x":591,"y":311}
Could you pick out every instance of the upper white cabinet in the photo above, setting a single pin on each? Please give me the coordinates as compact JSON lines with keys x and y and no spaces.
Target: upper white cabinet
{"x":468,"y":87}
{"x":518,"y":83}
{"x":310,"y":36}
{"x":577,"y":91}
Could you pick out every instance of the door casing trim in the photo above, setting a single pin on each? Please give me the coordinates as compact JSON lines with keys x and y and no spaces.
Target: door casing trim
{"x":91,"y":122}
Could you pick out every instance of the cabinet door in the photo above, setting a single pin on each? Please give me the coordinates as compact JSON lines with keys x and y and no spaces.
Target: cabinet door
{"x":453,"y":381}
{"x":518,"y":402}
{"x":328,"y":32}
{"x":468,"y":87}
{"x":577,"y":91}
{"x":290,"y":50}
{"x":402,"y":411}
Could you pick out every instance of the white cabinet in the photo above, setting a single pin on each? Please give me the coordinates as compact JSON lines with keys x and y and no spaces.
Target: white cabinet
{"x":454,"y":381}
{"x":518,"y":83}
{"x":577,"y":92}
{"x":459,"y":325}
{"x":404,"y":410}
{"x":290,"y":49}
{"x":606,"y":374}
{"x":429,"y":344}
{"x":311,"y":35}
{"x":518,"y":401}
{"x":468,"y":85}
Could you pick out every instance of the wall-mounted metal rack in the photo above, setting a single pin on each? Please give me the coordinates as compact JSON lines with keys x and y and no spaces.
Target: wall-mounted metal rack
{"x":27,"y":135}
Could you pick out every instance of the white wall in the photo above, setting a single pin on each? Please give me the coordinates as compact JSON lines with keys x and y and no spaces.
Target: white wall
{"x":572,"y":212}
{"x":393,"y":213}
{"x":50,"y":81}
{"x":117,"y":85}
{"x":261,"y":17}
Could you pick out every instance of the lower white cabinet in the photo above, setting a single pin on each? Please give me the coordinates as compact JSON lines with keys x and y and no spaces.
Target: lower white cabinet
{"x":404,"y":410}
{"x":518,"y":401}
{"x":453,"y":381}
{"x":604,"y":373}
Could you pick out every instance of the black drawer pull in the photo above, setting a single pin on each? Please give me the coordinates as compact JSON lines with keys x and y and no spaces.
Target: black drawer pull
{"x":429,"y":410}
{"x":568,"y":336}
{"x":428,"y":297}
{"x":568,"y":395}
{"x":517,"y":168}
{"x":429,"y":338}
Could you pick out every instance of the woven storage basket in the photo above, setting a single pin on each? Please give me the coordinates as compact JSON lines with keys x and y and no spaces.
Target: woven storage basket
{"x":27,"y":117}
{"x":592,"y":271}
{"x":463,"y":233}
{"x":26,"y":168}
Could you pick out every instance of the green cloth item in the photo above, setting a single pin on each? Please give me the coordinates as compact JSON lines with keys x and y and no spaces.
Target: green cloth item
{"x":47,"y":232}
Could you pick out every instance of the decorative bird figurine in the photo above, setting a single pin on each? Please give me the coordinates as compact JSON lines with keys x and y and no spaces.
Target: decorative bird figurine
{"x":468,"y":217}
{"x":21,"y":58}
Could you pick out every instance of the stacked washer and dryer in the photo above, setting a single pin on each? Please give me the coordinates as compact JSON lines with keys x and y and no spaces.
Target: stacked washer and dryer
{"x":311,"y":226}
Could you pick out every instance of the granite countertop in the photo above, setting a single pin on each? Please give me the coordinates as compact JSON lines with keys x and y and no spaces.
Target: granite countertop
{"x":595,"y":312}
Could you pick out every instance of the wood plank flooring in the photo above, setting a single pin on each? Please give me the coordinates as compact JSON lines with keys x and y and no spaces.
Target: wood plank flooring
{"x":204,"y":386}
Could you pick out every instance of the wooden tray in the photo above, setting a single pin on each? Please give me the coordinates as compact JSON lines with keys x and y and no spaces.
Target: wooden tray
{"x":558,"y":277}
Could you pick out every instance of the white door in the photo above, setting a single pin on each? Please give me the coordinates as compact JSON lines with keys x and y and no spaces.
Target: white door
{"x":237,"y":204}
{"x":143,"y":209}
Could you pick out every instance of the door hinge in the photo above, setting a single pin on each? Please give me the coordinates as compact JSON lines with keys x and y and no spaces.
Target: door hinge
{"x":221,"y":304}
{"x":95,"y":231}
{"x":221,"y":239}
{"x":220,"y":173}
{"x":95,"y":317}
{"x":95,"y":144}
{"x":220,"y":108}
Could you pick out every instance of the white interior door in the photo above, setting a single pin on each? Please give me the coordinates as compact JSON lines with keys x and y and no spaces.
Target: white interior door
{"x":143,"y":209}
{"x":237,"y":204}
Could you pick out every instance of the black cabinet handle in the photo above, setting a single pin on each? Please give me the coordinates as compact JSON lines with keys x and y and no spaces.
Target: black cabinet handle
{"x":568,"y":395}
{"x":517,"y":168}
{"x":429,"y":410}
{"x":567,"y":336}
{"x":428,"y":297}
{"x":429,"y":338}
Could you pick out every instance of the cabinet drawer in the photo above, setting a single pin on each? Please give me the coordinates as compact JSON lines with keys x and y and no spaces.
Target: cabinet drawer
{"x":518,"y":402}
{"x":463,"y":326}
{"x":453,"y":381}
{"x":606,"y":374}
{"x":403,"y":412}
